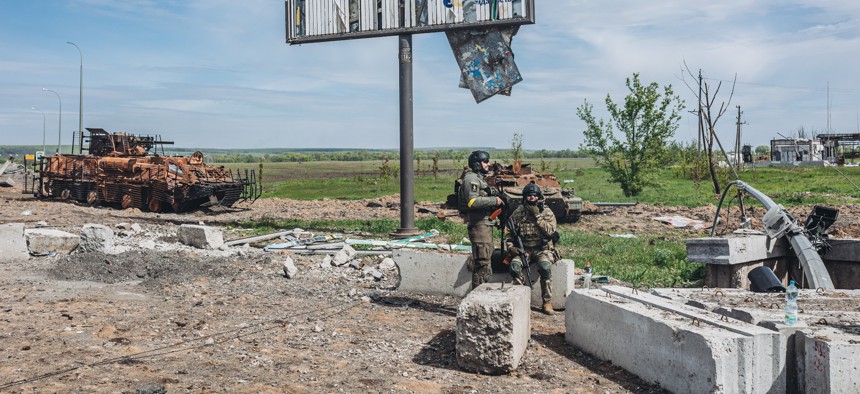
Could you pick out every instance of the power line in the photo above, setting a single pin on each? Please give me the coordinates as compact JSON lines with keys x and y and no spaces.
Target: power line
{"x":807,"y":88}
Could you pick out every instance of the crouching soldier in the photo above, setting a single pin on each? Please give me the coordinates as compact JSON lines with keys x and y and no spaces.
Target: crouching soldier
{"x":536,"y":226}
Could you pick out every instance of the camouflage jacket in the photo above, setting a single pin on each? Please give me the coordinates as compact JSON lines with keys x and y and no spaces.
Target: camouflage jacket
{"x":535,"y":231}
{"x":474,"y":201}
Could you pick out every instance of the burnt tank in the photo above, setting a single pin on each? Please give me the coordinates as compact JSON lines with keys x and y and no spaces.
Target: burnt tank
{"x":119,"y":170}
{"x":509,"y":181}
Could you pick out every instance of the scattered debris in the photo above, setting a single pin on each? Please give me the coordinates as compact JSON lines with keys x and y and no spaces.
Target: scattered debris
{"x":266,"y":237}
{"x":680,"y":221}
{"x":622,"y":235}
{"x":290,"y":269}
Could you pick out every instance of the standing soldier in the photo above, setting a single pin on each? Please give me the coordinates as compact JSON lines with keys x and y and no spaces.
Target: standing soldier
{"x":536,"y":227}
{"x":477,"y":201}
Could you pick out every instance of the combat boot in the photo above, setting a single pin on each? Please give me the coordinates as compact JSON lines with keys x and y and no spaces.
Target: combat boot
{"x":546,"y":293}
{"x":547,"y":308}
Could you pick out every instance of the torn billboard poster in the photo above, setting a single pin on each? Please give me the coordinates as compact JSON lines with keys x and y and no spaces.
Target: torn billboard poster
{"x":485,"y":60}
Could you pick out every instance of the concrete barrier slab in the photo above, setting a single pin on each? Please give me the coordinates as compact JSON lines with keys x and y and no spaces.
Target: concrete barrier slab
{"x":446,"y":274}
{"x":44,"y":240}
{"x":203,"y":237}
{"x":493,"y":328}
{"x":684,"y":349}
{"x":13,"y":245}
{"x":828,"y":361}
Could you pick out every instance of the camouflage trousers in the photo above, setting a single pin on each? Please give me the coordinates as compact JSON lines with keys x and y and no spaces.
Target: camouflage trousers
{"x":542,"y":260}
{"x":481,"y":236}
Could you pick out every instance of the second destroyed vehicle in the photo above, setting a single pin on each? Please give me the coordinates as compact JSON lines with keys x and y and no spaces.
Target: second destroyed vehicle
{"x":509,"y":180}
{"x":118,"y":170}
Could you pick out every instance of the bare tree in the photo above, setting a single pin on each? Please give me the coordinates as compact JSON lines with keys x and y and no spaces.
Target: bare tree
{"x":708,"y":117}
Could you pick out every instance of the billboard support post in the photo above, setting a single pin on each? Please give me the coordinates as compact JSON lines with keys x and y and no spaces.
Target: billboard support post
{"x":407,"y":181}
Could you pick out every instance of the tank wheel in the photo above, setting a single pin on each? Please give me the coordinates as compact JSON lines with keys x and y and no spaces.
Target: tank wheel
{"x":65,"y":194}
{"x":154,"y":205}
{"x":573,"y":216}
{"x":126,"y":201}
{"x":92,"y":197}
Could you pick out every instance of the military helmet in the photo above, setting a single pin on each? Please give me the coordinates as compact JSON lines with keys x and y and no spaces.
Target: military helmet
{"x":532,"y":190}
{"x":476,"y":158}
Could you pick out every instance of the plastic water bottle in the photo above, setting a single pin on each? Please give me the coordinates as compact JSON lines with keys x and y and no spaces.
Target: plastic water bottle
{"x":791,"y":304}
{"x":586,"y":281}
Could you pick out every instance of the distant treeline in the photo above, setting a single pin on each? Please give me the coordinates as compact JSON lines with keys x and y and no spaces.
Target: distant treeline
{"x":272,"y":155}
{"x":371,"y":155}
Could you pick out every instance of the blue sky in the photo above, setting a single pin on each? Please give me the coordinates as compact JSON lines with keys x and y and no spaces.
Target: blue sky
{"x":218,"y":73}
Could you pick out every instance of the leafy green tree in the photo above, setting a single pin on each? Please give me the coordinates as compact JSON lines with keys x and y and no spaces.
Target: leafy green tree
{"x":647,"y":121}
{"x":517,"y":147}
{"x":762,"y":150}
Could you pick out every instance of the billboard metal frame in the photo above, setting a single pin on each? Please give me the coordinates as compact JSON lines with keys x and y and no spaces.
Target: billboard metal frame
{"x":529,"y":19}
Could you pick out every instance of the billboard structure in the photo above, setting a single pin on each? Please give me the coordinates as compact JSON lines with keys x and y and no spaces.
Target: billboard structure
{"x":331,"y":20}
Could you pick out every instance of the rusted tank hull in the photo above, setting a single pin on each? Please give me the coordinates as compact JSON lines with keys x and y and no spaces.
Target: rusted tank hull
{"x":127,"y":178}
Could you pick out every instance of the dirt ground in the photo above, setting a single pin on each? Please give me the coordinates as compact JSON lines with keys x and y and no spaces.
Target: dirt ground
{"x":156,"y":316}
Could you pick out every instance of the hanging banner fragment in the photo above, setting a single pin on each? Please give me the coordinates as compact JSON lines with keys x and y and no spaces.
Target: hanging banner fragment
{"x":486,"y":62}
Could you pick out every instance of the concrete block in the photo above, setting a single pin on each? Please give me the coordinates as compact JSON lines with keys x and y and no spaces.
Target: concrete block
{"x":446,"y":274}
{"x":96,"y":238}
{"x":735,"y":249}
{"x":203,"y":237}
{"x":684,"y":349}
{"x":7,"y":182}
{"x":828,"y":361}
{"x":43,"y":241}
{"x":433,"y":273}
{"x":493,"y":328}
{"x":13,"y":245}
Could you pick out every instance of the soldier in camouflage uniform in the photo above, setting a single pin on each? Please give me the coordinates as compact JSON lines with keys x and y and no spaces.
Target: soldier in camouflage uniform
{"x":476,"y":200}
{"x":536,"y":226}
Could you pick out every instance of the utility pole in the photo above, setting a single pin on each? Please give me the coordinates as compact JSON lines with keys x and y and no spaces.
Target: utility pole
{"x":701,"y":126}
{"x":738,"y":143}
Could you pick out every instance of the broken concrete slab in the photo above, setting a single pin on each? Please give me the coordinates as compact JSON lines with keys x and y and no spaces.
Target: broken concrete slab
{"x":42,"y":241}
{"x":447,"y":274}
{"x":12,"y":242}
{"x":96,"y":238}
{"x":7,"y":182}
{"x":202,"y":237}
{"x":682,"y":348}
{"x":493,"y":328}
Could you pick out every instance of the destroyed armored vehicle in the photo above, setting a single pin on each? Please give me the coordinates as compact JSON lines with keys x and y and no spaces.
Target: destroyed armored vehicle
{"x":119,"y":170}
{"x":509,"y":181}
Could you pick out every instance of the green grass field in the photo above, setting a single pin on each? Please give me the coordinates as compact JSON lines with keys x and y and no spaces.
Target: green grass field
{"x":649,"y":260}
{"x":355,"y":180}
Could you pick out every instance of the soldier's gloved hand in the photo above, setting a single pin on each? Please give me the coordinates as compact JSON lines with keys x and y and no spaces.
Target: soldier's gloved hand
{"x":534,"y":209}
{"x":513,"y":250}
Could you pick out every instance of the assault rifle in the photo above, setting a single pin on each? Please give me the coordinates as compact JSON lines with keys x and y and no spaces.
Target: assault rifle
{"x":518,"y":243}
